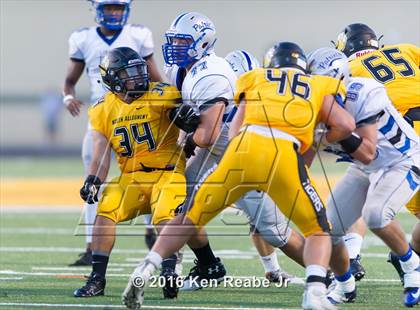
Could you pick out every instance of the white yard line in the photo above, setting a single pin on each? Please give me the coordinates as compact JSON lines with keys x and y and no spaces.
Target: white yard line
{"x":11,"y":278}
{"x":121,"y":306}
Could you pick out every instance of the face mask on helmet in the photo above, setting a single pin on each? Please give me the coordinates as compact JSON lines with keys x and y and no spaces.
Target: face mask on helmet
{"x":133,"y":80}
{"x":112,"y":14}
{"x":190,"y":37}
{"x":329,"y":62}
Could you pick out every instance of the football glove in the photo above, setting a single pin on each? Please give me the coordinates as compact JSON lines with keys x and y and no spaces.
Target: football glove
{"x":90,"y":189}
{"x":189,"y":146}
{"x":185,"y":118}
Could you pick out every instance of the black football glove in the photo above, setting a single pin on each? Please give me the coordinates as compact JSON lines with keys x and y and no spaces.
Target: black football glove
{"x":90,"y":189}
{"x":189,"y":146}
{"x":185,"y":118}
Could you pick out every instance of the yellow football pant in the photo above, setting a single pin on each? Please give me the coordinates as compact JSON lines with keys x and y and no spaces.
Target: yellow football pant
{"x":132,"y":194}
{"x":414,"y":204}
{"x":257,"y":162}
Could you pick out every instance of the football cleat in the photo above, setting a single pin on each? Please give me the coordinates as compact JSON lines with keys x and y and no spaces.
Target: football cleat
{"x":341,"y":294}
{"x":192,"y":282}
{"x":279,"y":276}
{"x":85,"y":259}
{"x":356,"y":268}
{"x":395,"y":261}
{"x":150,"y":238}
{"x":170,"y":289}
{"x":133,"y":295}
{"x":412,"y":287}
{"x":95,"y":286}
{"x":411,"y":297}
{"x":314,"y":298}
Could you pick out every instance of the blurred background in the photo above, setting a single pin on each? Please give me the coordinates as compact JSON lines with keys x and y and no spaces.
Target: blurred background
{"x":40,"y":143}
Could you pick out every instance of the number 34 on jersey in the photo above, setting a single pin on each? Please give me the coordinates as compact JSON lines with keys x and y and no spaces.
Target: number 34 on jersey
{"x":140,"y":132}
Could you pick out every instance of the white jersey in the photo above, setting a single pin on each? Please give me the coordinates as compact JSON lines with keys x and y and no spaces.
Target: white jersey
{"x":209,"y":80}
{"x":367,"y":101}
{"x":90,"y":46}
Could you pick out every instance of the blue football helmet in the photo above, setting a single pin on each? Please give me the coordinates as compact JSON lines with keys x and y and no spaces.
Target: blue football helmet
{"x":198,"y":30}
{"x":111,"y":21}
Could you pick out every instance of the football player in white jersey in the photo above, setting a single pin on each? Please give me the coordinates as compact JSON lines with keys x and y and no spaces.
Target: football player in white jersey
{"x":384,"y":175}
{"x":87,"y":47}
{"x":207,"y":83}
{"x":269,"y":227}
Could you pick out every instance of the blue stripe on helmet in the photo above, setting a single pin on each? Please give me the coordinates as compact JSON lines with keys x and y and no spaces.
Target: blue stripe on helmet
{"x":248,"y":60}
{"x":179,"y":17}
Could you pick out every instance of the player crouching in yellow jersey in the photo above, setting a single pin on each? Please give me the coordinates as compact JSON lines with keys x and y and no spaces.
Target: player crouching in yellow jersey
{"x":134,"y":120}
{"x":278,"y":109}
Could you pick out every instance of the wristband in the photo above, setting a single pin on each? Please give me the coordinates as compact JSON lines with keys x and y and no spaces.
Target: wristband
{"x":66,"y":98}
{"x":351,"y":144}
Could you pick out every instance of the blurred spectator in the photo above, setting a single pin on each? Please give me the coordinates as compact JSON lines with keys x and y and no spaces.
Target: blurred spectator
{"x":51,"y":105}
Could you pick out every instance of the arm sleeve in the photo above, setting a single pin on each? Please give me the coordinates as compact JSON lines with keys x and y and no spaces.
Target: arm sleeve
{"x":75,"y":51}
{"x":372,"y":107}
{"x":145,"y":38}
{"x":211,"y":89}
{"x":173,"y":97}
{"x":97,"y":118}
{"x":414,"y":53}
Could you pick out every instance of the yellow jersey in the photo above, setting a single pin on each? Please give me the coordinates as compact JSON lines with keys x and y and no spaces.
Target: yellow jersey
{"x":397,"y":67}
{"x":140,"y":132}
{"x":288,"y":100}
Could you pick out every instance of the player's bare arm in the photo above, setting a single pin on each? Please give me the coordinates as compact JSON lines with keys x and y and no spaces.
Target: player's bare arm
{"x":368,"y":137}
{"x":101,"y":156}
{"x":74,"y":72}
{"x":340,"y":122}
{"x":210,"y":125}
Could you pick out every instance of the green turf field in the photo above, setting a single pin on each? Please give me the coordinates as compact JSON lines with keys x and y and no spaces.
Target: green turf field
{"x":37,"y":244}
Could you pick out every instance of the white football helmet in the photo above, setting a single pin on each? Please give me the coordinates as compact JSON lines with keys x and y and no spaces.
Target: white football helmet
{"x":241,"y":62}
{"x":198,"y":29}
{"x":329,"y":61}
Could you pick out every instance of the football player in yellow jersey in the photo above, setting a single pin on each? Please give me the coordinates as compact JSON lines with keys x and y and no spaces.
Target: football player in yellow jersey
{"x":135,"y":119}
{"x":397,"y":67}
{"x":278,"y":109}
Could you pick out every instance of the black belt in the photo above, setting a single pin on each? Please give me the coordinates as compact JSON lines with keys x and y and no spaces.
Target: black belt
{"x":151,"y":169}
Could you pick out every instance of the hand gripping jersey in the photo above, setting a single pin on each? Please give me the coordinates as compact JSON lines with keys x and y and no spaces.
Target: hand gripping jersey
{"x":288,"y":100}
{"x":90,"y":46}
{"x":397,"y":67}
{"x":367,"y":101}
{"x":210,"y":80}
{"x":140,"y":133}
